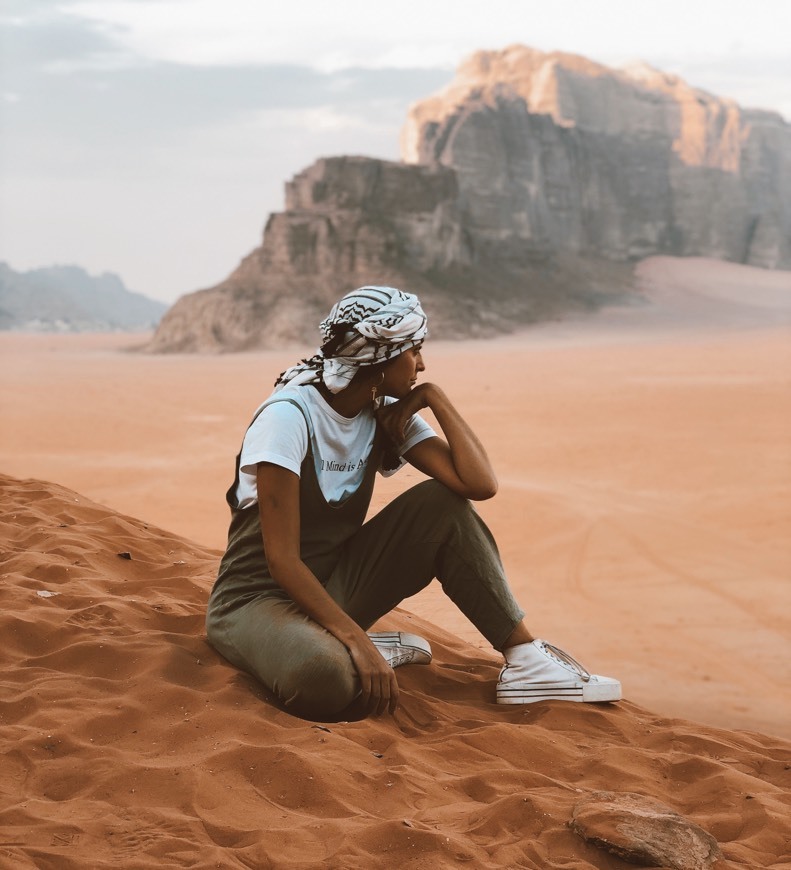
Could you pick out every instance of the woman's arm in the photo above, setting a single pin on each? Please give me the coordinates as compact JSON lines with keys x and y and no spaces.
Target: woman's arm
{"x":278,"y":505}
{"x":460,"y":461}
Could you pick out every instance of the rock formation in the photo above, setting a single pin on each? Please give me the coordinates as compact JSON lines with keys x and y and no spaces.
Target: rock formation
{"x":555,"y":152}
{"x":529,"y":186}
{"x":348,"y":221}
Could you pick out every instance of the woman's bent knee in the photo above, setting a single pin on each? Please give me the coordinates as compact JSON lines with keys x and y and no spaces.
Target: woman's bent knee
{"x":310,"y":671}
{"x":437,"y":496}
{"x":319,"y":684}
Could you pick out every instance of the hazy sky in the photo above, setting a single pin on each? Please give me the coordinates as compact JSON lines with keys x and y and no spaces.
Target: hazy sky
{"x":153,"y":137}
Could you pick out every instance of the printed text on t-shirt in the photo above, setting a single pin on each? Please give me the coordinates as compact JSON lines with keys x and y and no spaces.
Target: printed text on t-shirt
{"x":350,"y":465}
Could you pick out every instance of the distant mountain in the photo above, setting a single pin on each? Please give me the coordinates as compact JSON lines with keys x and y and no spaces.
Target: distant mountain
{"x":68,"y":299}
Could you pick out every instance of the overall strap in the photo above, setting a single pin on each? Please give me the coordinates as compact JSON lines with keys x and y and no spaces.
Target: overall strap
{"x":230,"y":496}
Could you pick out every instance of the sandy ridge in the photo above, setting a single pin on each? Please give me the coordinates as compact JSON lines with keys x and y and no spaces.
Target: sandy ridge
{"x":128,"y":742}
{"x":643,"y":456}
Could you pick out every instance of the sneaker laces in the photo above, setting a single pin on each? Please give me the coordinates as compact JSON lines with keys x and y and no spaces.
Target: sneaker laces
{"x":564,"y":658}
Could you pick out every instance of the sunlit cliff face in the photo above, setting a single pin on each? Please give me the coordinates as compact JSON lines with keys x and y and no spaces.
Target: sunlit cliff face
{"x":567,"y":155}
{"x":576,"y":92}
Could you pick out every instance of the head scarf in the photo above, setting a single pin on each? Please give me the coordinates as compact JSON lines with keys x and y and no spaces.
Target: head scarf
{"x":367,"y":326}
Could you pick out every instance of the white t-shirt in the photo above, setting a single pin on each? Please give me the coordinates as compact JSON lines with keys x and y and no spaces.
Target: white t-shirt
{"x":342,"y":445}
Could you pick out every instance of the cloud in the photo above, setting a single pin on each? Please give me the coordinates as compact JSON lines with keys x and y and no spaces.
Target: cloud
{"x":320,"y":118}
{"x":185,"y":117}
{"x":39,"y":37}
{"x":331,"y":36}
{"x":128,"y":109}
{"x":704,"y":41}
{"x":106,"y":150}
{"x":325,"y":36}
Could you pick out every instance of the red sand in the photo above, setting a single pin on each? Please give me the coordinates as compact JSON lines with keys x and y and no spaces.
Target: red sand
{"x":644,"y":518}
{"x":127,"y":742}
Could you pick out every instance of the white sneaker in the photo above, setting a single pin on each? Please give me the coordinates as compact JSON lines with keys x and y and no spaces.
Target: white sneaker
{"x":399,"y":648}
{"x":538,"y":671}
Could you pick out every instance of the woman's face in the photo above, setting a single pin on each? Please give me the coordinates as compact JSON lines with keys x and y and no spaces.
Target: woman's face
{"x":401,"y":373}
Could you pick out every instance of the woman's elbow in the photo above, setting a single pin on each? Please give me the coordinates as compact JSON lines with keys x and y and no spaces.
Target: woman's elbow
{"x":482,"y":491}
{"x":281,"y":563}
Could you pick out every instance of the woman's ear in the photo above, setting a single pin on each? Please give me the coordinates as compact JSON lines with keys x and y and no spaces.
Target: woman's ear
{"x":374,"y":374}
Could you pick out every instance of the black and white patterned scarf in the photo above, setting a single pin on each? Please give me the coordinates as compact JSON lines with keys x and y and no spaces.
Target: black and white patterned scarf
{"x":367,"y":326}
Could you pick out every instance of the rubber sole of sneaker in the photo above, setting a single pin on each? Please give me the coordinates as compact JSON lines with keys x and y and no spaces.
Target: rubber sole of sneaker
{"x":416,"y":649}
{"x":592,"y":692}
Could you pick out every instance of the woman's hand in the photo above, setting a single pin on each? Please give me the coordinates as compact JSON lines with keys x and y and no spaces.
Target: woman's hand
{"x":377,"y":679}
{"x":459,"y":460}
{"x":278,"y":504}
{"x":394,"y":417}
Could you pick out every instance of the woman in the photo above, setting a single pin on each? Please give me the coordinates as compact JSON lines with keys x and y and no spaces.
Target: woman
{"x":303,"y":576}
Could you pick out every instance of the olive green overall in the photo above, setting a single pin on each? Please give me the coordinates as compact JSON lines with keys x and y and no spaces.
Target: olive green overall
{"x":367,"y":568}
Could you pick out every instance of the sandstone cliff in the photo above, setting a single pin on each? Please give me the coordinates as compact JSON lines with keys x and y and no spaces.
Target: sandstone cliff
{"x":555,"y":152}
{"x":529,"y":186}
{"x":355,"y":220}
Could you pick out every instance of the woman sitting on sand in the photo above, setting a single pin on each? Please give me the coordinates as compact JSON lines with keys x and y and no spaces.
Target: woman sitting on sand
{"x":304,"y":576}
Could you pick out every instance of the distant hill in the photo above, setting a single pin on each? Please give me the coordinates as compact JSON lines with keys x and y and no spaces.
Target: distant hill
{"x":68,"y":299}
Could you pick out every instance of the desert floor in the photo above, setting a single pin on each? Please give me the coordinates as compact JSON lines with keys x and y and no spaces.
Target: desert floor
{"x":644,"y":519}
{"x":644,"y":458}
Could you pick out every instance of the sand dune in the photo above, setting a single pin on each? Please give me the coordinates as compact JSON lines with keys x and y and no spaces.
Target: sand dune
{"x":127,"y":742}
{"x":644,"y":517}
{"x":644,"y":512}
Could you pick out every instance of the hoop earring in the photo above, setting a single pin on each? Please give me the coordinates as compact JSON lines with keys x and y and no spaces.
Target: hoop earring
{"x":376,"y":386}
